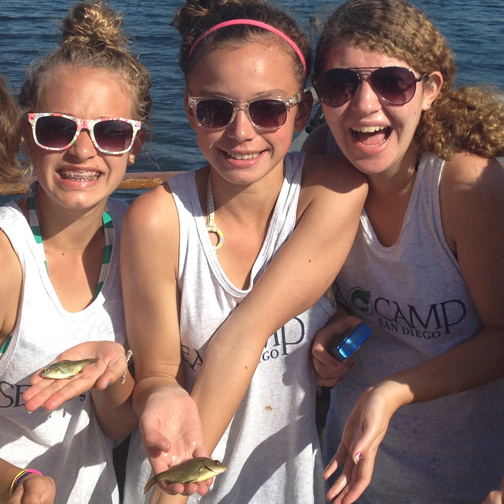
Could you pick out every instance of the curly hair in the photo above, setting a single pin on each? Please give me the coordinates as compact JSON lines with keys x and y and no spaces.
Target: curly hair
{"x":466,"y":119}
{"x":92,"y":37}
{"x":10,"y":137}
{"x":197,"y":16}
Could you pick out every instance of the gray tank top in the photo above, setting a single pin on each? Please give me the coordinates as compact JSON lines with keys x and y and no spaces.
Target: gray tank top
{"x":68,"y":443}
{"x":271,"y":446}
{"x":415,"y":299}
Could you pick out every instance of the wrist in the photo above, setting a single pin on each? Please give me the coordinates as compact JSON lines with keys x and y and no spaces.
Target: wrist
{"x":19,"y":477}
{"x":394,"y":393}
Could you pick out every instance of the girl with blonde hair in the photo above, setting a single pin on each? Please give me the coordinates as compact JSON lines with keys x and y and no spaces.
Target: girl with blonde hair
{"x":84,"y":107}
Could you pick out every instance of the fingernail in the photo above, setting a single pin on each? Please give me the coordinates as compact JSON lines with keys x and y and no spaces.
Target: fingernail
{"x":357,"y":457}
{"x":351,"y":364}
{"x":335,"y":363}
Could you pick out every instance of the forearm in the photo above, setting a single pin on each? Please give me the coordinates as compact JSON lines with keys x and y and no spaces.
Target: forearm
{"x":475,"y":362}
{"x":114,"y":409}
{"x":217,"y":396}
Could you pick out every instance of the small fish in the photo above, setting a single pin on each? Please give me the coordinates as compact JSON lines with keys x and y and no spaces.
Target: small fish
{"x":65,"y":368}
{"x":190,"y":471}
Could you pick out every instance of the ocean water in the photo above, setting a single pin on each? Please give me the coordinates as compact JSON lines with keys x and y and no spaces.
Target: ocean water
{"x":474,"y":29}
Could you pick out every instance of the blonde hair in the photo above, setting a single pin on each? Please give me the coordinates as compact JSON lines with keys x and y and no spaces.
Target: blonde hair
{"x":92,"y":37}
{"x":10,"y":137}
{"x":466,"y":119}
{"x":197,"y":16}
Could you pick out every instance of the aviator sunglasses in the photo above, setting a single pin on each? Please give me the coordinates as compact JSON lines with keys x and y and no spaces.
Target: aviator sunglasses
{"x":264,"y":114}
{"x":394,"y":85}
{"x":58,"y":132}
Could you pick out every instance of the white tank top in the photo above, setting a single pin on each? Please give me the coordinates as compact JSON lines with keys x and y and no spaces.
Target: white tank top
{"x":271,"y":446}
{"x":415,"y":299}
{"x":68,"y":443}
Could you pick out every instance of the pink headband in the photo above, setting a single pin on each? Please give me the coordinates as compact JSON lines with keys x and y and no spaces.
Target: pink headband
{"x":253,"y":23}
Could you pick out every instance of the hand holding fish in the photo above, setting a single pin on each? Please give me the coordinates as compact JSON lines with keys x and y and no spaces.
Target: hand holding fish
{"x":35,"y":489}
{"x":172,"y":433}
{"x":94,"y":364}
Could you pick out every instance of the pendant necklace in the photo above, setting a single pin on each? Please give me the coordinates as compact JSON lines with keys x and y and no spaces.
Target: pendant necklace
{"x":210,"y":224}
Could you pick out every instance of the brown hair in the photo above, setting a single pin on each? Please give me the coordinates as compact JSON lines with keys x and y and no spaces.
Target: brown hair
{"x":197,"y":16}
{"x":10,"y":137}
{"x":92,"y":37}
{"x":469,"y":119}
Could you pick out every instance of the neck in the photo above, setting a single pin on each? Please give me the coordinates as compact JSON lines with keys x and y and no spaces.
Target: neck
{"x":245,"y":202}
{"x":394,"y":183}
{"x":67,"y":228}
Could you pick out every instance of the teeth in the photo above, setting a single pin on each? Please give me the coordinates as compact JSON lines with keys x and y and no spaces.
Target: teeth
{"x":243,"y":156}
{"x":369,"y":129}
{"x":79,"y":176}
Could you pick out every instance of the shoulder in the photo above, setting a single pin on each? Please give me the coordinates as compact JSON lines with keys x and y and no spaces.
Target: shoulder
{"x":467,"y":176}
{"x":472,"y":195}
{"x":316,"y":142}
{"x":332,"y":173}
{"x":329,"y":184}
{"x":10,"y":285}
{"x":152,"y":209}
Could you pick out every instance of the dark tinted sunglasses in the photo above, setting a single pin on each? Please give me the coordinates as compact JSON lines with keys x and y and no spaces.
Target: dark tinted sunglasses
{"x":266,"y":114}
{"x":394,"y":85}
{"x":58,"y":132}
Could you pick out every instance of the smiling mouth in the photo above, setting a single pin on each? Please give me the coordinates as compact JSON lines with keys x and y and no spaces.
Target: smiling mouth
{"x":371,"y":135}
{"x":79,"y":176}
{"x":243,"y":156}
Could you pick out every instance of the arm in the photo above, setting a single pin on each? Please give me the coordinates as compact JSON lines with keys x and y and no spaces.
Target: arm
{"x":472,"y":191}
{"x":169,"y":420}
{"x":33,"y":488}
{"x":328,"y":214}
{"x":497,"y":496}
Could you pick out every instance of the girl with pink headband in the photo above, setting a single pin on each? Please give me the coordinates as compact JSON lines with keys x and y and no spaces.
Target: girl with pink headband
{"x":244,"y":250}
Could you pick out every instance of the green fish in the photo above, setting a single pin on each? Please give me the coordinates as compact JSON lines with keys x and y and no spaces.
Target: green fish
{"x":65,"y":368}
{"x":190,"y":471}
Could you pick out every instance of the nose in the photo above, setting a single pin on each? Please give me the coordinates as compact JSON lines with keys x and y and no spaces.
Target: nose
{"x":241,"y":126}
{"x":366,"y":100}
{"x":83,"y":147}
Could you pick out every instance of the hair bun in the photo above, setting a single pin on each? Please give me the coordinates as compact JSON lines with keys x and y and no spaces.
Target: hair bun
{"x":94,"y":25}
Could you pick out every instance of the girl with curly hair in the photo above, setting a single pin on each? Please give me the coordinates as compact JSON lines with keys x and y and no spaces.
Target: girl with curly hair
{"x":419,"y":416}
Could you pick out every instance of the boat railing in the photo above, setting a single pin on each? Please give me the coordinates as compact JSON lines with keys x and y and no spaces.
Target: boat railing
{"x":138,"y":180}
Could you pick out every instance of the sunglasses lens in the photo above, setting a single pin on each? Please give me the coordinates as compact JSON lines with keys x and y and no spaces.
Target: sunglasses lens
{"x":268,"y":114}
{"x":336,"y":86}
{"x":396,"y":85}
{"x":214,"y":113}
{"x":55,"y":132}
{"x":113,"y":136}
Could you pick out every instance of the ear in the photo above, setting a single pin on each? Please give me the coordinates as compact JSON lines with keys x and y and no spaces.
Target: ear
{"x":431,"y":89}
{"x":137,"y":146}
{"x":303,"y":112}
{"x":189,"y":112}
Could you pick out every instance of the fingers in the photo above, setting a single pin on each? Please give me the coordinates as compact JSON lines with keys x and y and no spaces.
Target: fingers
{"x":109,"y":368}
{"x":329,"y":376}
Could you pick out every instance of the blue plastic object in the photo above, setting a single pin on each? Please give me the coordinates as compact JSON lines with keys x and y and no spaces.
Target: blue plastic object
{"x":350,"y":342}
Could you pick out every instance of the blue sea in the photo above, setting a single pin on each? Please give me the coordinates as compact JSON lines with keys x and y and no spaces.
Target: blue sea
{"x":474,"y":29}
